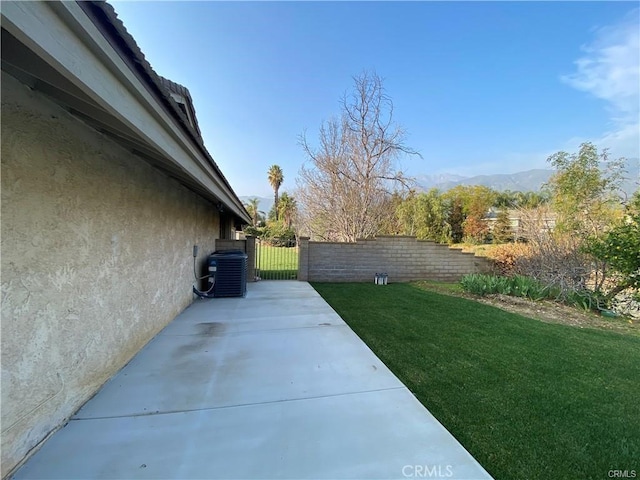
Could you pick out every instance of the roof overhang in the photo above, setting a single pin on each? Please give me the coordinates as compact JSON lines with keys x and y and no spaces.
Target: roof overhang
{"x":59,"y":49}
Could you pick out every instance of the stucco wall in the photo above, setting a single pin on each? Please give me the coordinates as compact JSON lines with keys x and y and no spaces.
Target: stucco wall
{"x":402,"y":258}
{"x":96,"y":259}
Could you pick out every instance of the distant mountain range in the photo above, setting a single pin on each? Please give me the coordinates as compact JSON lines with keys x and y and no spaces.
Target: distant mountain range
{"x":531,"y":180}
{"x":527,"y":181}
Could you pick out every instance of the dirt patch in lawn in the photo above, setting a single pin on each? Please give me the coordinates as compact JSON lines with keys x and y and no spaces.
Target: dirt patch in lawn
{"x":551,"y":312}
{"x":544,"y":310}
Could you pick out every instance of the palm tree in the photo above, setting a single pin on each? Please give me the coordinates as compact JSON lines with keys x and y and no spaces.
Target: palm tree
{"x":252,"y":209}
{"x":276,"y":177}
{"x":287,"y":209}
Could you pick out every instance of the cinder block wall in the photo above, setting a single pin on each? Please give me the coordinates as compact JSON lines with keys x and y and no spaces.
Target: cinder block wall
{"x":403,"y":258}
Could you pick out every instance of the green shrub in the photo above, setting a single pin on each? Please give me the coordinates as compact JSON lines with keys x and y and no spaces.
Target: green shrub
{"x":252,"y":231}
{"x":528,"y":287}
{"x":517,"y":286}
{"x":475,"y":283}
{"x":503,"y":285}
{"x":587,"y":300}
{"x":279,"y":235}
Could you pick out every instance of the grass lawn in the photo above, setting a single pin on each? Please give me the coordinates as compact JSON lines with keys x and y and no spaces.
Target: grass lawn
{"x":277,"y":263}
{"x":529,"y":400}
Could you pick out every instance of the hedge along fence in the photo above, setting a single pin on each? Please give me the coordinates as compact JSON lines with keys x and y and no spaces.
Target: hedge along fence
{"x":403,"y":258}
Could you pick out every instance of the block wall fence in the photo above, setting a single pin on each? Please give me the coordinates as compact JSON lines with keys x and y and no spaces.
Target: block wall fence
{"x":403,"y":258}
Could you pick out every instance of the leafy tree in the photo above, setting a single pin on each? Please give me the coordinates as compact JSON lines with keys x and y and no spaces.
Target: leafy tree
{"x":531,"y":199}
{"x":345,"y":189}
{"x":475,"y":229}
{"x":252,"y":231}
{"x":582,"y":193}
{"x":476,"y":200}
{"x":276,"y":177}
{"x":510,"y":199}
{"x":584,"y":196}
{"x":287,"y":209}
{"x":425,"y":216}
{"x":455,"y":220}
{"x":277,"y":234}
{"x":405,"y":212}
{"x":570,"y":256}
{"x":619,"y":248}
{"x":506,"y":199}
{"x":391,"y":224}
{"x":502,"y":231}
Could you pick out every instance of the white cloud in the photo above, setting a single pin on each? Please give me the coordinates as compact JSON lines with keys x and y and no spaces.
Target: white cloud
{"x":610,"y":70}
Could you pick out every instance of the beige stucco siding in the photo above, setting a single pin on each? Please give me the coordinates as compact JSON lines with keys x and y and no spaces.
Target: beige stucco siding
{"x":96,"y":259}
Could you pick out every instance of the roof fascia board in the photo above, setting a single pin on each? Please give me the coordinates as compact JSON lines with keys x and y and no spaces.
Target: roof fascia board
{"x":63,"y":35}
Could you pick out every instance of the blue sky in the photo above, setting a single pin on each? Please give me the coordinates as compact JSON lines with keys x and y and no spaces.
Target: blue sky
{"x":480,"y":87}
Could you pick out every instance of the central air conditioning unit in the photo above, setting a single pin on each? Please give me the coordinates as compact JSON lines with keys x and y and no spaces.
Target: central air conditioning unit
{"x":230,"y":277}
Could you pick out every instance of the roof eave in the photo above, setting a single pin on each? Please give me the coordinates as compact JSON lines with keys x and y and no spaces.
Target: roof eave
{"x":103,"y":82}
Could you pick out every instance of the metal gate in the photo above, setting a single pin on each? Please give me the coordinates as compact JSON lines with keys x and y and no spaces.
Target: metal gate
{"x":276,"y":259}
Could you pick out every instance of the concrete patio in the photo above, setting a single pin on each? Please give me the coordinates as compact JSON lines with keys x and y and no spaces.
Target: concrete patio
{"x":274,"y":385}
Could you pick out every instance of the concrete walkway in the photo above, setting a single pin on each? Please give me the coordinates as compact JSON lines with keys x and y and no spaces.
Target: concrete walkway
{"x":274,"y":385}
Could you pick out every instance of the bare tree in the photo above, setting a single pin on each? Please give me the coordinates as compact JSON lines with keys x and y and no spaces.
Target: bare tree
{"x":344,"y":193}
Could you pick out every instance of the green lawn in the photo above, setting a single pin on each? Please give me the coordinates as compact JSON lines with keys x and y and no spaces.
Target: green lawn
{"x":277,"y":263}
{"x":529,"y":400}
